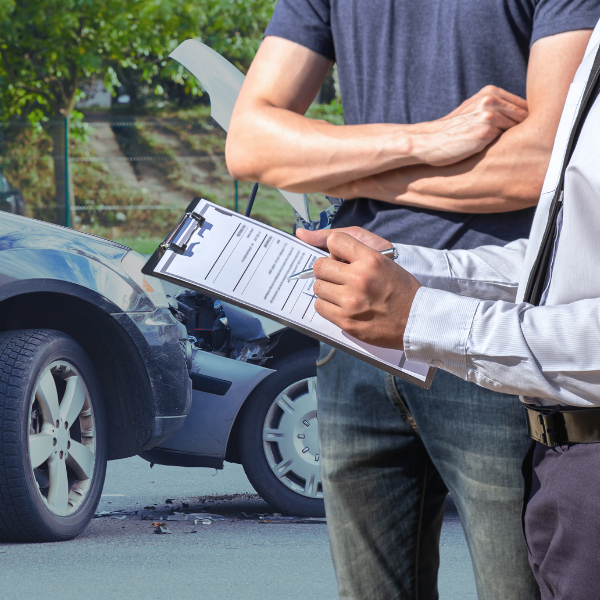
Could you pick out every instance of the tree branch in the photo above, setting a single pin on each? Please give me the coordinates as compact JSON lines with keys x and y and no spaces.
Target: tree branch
{"x":33,"y":90}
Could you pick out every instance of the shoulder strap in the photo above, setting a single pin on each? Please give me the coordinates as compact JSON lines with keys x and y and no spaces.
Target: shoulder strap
{"x":537,"y":277}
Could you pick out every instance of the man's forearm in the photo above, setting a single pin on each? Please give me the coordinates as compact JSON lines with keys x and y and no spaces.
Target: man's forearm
{"x":534,"y":352}
{"x":313,"y":153}
{"x":270,"y":141}
{"x":507,"y":176}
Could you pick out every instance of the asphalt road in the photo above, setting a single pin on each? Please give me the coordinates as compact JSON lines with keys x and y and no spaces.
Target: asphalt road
{"x":233,"y":559}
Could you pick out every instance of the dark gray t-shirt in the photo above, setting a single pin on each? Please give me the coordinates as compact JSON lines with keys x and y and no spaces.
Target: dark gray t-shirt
{"x":407,"y":61}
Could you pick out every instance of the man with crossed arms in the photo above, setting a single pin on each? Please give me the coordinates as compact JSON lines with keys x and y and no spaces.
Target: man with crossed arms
{"x":435,"y":160}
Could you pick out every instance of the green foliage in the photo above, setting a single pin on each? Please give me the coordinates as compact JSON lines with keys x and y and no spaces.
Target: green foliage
{"x":49,"y":48}
{"x":29,"y":167}
{"x":6,"y":8}
{"x":332,"y":112}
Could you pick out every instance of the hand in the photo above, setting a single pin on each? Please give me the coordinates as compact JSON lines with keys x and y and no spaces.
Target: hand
{"x":368,"y":295}
{"x":319,"y":237}
{"x":471,"y":127}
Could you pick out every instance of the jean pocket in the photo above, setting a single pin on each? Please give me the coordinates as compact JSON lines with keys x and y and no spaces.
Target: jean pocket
{"x":398,"y":401}
{"x":325,"y":353}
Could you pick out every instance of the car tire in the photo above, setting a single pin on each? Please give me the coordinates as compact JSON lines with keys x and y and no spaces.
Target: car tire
{"x":278,"y":437}
{"x":53,"y":447}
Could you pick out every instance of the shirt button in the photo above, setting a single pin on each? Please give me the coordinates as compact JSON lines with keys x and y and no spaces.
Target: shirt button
{"x":437,"y":363}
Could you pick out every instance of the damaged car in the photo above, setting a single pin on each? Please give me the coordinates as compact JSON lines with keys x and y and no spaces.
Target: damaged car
{"x":254,"y":380}
{"x":253,"y":402}
{"x":93,"y":367}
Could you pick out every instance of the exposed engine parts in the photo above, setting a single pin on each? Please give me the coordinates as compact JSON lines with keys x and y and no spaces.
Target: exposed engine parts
{"x":221,"y":328}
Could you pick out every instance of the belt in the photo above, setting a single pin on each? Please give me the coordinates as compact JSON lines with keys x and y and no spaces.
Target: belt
{"x":555,"y":426}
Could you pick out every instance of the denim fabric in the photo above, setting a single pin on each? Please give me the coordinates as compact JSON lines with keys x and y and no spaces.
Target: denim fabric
{"x":390,"y":452}
{"x":561,"y":519}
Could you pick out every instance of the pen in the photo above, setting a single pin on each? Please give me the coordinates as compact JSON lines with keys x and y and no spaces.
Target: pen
{"x":308,"y":273}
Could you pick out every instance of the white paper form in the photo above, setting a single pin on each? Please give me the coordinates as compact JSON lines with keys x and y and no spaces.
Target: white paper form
{"x":248,"y":263}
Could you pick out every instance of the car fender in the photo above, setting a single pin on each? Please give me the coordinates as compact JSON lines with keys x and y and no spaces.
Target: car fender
{"x":216,"y":401}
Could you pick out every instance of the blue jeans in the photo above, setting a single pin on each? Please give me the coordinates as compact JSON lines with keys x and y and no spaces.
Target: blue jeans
{"x":390,"y":452}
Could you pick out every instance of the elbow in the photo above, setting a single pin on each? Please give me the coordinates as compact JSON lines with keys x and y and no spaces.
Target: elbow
{"x":239,"y":160}
{"x":248,"y":162}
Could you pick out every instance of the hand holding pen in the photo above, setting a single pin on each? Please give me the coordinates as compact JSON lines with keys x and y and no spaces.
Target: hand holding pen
{"x":308,"y":273}
{"x":364,"y":294}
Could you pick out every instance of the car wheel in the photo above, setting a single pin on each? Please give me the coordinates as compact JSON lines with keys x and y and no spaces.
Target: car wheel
{"x":279,"y":437}
{"x":52,"y":437}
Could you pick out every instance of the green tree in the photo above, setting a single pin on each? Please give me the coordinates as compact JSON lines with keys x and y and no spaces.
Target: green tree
{"x":50,"y":48}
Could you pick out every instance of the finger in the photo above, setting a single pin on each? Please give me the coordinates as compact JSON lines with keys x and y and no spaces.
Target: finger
{"x":489,"y":95}
{"x":330,"y":292}
{"x":345,"y":247}
{"x":331,"y":312}
{"x":512,"y":111}
{"x":491,"y":91}
{"x":504,"y":95}
{"x":316,"y":238}
{"x":503,"y":121}
{"x":332,"y":270}
{"x":513,"y":99}
{"x":319,"y":237}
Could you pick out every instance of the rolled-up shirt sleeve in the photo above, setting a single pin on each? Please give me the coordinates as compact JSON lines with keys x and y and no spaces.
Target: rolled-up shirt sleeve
{"x":546,"y":354}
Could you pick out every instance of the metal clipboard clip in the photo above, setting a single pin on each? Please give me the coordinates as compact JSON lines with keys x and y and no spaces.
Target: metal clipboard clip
{"x":182,"y":233}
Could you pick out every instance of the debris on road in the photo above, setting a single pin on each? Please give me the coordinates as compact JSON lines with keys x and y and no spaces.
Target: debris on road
{"x":253,"y":517}
{"x":289,"y":520}
{"x":149,"y":507}
{"x":169,"y":501}
{"x":162,"y":530}
{"x":110,"y":513}
{"x":278,"y":518}
{"x":195,"y":517}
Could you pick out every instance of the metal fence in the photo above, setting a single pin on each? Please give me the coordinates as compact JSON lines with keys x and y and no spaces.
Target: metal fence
{"x":114,"y":175}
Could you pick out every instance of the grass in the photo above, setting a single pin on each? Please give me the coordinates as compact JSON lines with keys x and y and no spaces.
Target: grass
{"x":194,"y":148}
{"x":143,"y":245}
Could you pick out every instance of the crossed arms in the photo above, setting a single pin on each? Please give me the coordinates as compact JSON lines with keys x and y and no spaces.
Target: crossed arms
{"x":489,"y":155}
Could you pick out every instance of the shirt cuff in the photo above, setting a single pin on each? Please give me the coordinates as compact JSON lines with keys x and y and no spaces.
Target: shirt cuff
{"x":438,"y":329}
{"x":429,"y":267}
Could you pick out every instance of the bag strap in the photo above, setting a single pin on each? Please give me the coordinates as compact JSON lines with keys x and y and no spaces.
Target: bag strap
{"x":537,"y":277}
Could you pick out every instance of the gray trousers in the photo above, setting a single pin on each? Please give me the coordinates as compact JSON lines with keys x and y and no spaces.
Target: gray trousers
{"x":561,"y":519}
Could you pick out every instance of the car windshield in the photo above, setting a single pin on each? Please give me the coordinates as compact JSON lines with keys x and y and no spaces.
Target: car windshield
{"x":4,"y":185}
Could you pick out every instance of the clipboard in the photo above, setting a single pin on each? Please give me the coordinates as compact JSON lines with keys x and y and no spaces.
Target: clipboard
{"x":238,"y":260}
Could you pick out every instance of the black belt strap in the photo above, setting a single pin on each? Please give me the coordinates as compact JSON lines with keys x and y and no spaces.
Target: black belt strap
{"x":557,"y":426}
{"x":537,"y":277}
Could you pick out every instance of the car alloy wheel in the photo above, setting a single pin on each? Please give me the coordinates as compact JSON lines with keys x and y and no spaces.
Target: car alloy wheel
{"x":291,"y":438}
{"x":62,"y":443}
{"x":53,"y":442}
